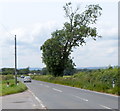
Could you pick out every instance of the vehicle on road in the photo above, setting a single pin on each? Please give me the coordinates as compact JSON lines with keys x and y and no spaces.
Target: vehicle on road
{"x":22,"y":76}
{"x":27,"y":79}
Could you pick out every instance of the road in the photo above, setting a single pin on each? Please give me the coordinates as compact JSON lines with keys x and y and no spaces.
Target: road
{"x":24,"y":100}
{"x":54,"y":96}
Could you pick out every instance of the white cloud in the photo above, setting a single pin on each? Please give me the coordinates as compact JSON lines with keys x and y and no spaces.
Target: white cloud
{"x":41,"y":32}
{"x":22,"y":34}
{"x":29,"y":40}
{"x":107,"y":29}
{"x":59,"y":0}
{"x":96,"y":53}
{"x":31,"y":37}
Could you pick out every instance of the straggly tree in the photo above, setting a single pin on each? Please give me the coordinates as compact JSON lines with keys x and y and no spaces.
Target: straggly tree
{"x":57,"y":50}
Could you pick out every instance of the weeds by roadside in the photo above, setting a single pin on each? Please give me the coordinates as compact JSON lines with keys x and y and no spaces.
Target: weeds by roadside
{"x":12,"y":88}
{"x":103,"y":80}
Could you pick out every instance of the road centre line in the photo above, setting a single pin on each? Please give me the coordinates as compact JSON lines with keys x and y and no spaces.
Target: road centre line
{"x":47,"y":86}
{"x":34,"y":105}
{"x":105,"y":107}
{"x":41,"y":84}
{"x":57,"y":90}
{"x":80,"y":98}
{"x":100,"y":105}
{"x":89,"y":91}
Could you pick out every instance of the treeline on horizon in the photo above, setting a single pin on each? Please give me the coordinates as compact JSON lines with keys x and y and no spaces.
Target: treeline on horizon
{"x":93,"y":79}
{"x":44,"y":71}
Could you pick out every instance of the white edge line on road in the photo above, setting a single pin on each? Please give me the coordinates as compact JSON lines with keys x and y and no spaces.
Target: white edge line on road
{"x":100,"y":93}
{"x":37,"y":99}
{"x":105,"y":107}
{"x":81,"y":98}
{"x":57,"y":90}
{"x":85,"y":90}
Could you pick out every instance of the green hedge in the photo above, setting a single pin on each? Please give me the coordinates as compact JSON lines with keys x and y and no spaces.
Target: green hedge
{"x":98,"y":80}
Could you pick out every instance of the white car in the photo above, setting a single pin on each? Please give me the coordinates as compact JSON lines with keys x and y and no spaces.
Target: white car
{"x":27,"y":79}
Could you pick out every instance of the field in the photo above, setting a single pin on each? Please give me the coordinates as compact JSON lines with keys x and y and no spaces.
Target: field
{"x":101,"y":80}
{"x":12,"y":88}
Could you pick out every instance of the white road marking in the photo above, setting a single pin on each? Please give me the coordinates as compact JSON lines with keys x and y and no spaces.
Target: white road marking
{"x":80,"y":98}
{"x":89,"y":91}
{"x":37,"y":100}
{"x":43,"y":106}
{"x":105,"y":107}
{"x":57,"y":90}
{"x":100,"y":93}
{"x":46,"y":86}
{"x":34,"y":105}
{"x":41,"y":84}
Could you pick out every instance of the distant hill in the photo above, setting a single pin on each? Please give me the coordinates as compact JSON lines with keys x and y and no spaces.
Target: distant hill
{"x":35,"y":68}
{"x":76,"y":68}
{"x":32,"y":68}
{"x":104,"y":67}
{"x":92,"y":68}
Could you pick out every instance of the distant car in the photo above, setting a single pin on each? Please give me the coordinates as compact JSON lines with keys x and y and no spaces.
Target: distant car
{"x":27,"y":79}
{"x":22,"y":76}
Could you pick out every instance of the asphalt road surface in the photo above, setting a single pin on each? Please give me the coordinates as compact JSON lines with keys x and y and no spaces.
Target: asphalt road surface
{"x":24,"y":100}
{"x":55,"y":96}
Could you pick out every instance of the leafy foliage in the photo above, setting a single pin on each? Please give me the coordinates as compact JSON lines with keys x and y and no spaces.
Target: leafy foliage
{"x":57,"y":50}
{"x":35,"y":71}
{"x":44,"y":71}
{"x":6,"y":77}
{"x":97,"y":80}
{"x":6,"y":71}
{"x":23,"y":71}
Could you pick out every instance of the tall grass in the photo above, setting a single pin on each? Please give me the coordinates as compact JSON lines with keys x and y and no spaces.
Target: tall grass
{"x":12,"y":88}
{"x":98,"y":80}
{"x":6,"y":77}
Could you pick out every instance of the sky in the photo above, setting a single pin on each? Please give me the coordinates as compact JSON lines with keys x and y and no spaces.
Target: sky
{"x":33,"y":21}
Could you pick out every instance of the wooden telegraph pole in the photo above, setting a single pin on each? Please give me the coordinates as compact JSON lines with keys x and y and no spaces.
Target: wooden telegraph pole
{"x":15,"y":62}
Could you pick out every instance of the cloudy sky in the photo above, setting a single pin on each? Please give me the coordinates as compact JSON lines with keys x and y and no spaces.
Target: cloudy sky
{"x":33,"y":21}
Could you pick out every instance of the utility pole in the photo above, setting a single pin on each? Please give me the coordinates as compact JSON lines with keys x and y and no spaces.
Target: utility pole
{"x":15,"y":62}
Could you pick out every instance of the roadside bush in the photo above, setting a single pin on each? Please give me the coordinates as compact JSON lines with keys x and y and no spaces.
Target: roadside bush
{"x":98,"y":80}
{"x":6,"y":77}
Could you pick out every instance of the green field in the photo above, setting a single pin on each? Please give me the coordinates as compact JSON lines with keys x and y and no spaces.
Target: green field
{"x":97,"y":80}
{"x":12,"y":88}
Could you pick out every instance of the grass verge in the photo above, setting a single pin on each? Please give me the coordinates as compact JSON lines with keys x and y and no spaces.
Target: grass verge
{"x":12,"y":88}
{"x":99,"y":80}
